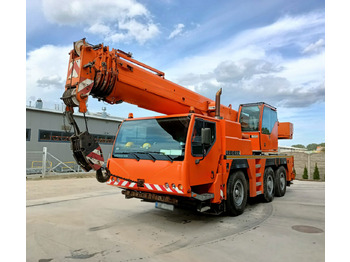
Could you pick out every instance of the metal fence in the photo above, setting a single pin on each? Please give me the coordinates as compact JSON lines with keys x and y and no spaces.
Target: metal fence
{"x":43,"y":163}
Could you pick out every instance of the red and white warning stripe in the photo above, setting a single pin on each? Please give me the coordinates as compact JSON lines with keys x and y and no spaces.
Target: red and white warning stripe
{"x":85,"y":86}
{"x":154,"y":187}
{"x":73,"y":70}
{"x":96,"y":158}
{"x":121,"y":183}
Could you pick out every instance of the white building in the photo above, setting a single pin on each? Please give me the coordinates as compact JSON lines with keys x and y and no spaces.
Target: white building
{"x":284,"y":149}
{"x":50,"y":129}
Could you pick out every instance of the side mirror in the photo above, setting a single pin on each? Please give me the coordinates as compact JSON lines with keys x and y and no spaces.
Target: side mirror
{"x":206,"y":136}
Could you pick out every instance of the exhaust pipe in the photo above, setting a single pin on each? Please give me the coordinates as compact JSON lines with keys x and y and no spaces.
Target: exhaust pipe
{"x":217,"y":104}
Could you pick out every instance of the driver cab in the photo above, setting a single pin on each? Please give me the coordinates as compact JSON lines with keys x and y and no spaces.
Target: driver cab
{"x":260,"y":124}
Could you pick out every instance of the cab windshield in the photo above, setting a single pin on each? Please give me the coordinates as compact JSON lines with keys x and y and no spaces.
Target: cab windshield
{"x":152,"y":139}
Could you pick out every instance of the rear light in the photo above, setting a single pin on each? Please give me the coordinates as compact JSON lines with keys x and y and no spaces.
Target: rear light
{"x":166,"y":185}
{"x":173,"y":185}
{"x":180,"y":187}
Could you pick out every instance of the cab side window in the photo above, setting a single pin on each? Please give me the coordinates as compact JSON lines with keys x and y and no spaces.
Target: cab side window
{"x":249,"y":118}
{"x":268,"y":121}
{"x":197,"y":136}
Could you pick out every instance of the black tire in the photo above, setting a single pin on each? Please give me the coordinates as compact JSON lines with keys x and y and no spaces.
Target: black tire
{"x":237,"y":193}
{"x":281,"y":181}
{"x":102,"y":177}
{"x":269,"y":184}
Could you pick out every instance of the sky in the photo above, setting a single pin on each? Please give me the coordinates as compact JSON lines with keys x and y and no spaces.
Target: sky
{"x":269,"y":51}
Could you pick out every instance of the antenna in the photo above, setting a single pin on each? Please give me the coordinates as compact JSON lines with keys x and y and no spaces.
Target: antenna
{"x":104,"y":113}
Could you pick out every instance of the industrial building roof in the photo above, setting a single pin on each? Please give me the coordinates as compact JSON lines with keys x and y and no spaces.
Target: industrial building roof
{"x":78,"y":114}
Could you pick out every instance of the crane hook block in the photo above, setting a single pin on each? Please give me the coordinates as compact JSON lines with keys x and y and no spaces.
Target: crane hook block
{"x":86,"y":151}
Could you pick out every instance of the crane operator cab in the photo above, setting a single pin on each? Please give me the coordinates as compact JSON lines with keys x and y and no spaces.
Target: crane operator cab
{"x":260,"y":124}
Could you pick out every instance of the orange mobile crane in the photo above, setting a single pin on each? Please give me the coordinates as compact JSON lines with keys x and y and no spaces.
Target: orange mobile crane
{"x":198,"y":153}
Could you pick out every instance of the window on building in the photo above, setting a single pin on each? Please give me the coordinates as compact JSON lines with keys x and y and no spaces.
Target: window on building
{"x":54,"y":136}
{"x":61,"y":136}
{"x":28,"y":134}
{"x":197,"y":148}
{"x":44,"y":135}
{"x":268,"y":121}
{"x":104,"y":139}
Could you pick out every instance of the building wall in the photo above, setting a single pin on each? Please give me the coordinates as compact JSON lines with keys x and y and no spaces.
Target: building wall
{"x":302,"y":159}
{"x":54,"y":121}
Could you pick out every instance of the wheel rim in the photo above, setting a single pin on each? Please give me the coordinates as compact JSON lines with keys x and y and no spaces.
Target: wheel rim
{"x":238,"y":192}
{"x":282,"y":181}
{"x":269,"y":184}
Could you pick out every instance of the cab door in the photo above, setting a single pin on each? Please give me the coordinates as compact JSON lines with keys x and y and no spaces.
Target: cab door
{"x":269,"y":130}
{"x":204,"y":172}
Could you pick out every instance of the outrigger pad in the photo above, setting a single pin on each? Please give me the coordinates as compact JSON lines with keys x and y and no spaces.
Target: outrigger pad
{"x":86,"y":151}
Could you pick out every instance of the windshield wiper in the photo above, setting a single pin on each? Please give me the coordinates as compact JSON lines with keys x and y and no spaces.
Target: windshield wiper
{"x":170,"y":158}
{"x":136,"y":156}
{"x":154,"y":158}
{"x":128,"y":153}
{"x":148,"y":153}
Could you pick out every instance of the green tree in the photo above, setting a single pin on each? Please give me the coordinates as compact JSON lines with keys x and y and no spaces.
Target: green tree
{"x":305,"y":175}
{"x":311,"y":147}
{"x":316,"y":175}
{"x":298,"y":146}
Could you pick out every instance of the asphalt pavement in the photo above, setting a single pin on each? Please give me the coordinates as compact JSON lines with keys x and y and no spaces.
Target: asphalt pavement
{"x":83,"y":220}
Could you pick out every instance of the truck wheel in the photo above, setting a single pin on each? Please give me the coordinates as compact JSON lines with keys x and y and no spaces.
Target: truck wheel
{"x":281,"y":182}
{"x":237,"y":191}
{"x":269,"y":184}
{"x":102,"y":177}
